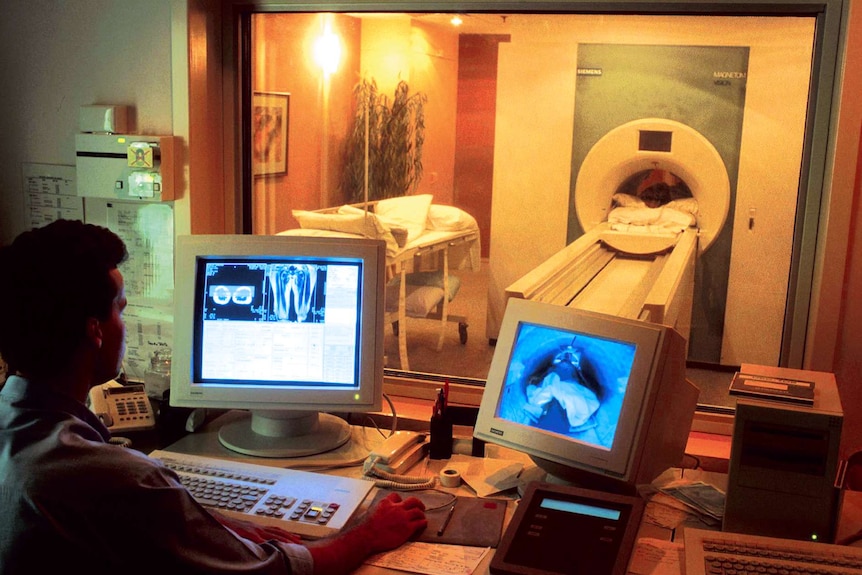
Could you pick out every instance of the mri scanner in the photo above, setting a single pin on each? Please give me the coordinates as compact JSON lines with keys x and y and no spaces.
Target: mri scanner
{"x":636,"y":272}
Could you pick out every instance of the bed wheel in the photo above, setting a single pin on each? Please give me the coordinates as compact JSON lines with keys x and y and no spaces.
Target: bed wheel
{"x":462,"y":332}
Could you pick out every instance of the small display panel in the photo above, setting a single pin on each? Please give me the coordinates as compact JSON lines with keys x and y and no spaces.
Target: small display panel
{"x":276,"y":320}
{"x":568,"y":383}
{"x":559,"y":529}
{"x":655,"y":141}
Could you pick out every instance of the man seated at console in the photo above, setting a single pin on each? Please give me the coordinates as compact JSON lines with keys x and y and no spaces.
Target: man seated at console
{"x":71,"y":499}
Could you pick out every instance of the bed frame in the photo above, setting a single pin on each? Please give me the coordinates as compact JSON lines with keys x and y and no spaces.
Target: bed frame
{"x":416,"y":258}
{"x":429,"y":252}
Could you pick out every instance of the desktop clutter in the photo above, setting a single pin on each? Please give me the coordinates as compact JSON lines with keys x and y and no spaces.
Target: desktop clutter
{"x":778,"y":507}
{"x":582,"y":428}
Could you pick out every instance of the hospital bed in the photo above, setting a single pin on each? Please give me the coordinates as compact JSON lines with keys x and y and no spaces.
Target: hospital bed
{"x":425,"y":242}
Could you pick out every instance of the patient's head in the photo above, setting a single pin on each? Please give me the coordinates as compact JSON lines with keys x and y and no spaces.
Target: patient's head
{"x":655,"y":195}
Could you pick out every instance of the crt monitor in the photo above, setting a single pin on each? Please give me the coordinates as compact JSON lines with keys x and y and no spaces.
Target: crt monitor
{"x":289,"y":328}
{"x":595,"y":400}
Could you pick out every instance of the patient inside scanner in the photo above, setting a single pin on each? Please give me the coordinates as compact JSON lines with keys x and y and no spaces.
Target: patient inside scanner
{"x":653,"y":201}
{"x":568,"y":384}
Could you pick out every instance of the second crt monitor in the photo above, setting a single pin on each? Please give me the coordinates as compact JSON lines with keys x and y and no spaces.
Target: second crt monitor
{"x":595,"y":400}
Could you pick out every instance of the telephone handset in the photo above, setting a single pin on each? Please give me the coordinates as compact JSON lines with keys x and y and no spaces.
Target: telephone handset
{"x":397,"y":453}
{"x":122,"y":407}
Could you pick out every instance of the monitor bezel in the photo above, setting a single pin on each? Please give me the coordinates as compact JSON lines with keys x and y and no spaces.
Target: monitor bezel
{"x":618,"y":462}
{"x":186,"y":391}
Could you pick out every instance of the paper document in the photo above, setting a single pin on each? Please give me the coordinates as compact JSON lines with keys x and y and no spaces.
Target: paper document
{"x":431,"y":558}
{"x":666,"y":511}
{"x":485,"y":475}
{"x":656,"y":557}
{"x":702,"y":497}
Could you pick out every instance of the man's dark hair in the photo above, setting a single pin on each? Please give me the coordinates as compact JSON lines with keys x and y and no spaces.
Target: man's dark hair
{"x":52,"y":279}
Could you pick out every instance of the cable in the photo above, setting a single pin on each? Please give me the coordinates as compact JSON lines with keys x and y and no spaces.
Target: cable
{"x":696,"y":461}
{"x":388,"y":480}
{"x":394,"y":425}
{"x":393,"y":428}
{"x":452,"y":499}
{"x":397,"y":485}
{"x":121,"y":441}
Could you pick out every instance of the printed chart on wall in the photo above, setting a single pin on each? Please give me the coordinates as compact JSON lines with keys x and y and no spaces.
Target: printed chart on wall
{"x":50,"y":193}
{"x":148,"y":230}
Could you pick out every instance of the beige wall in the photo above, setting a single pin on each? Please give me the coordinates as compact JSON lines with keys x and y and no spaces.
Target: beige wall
{"x":59,"y":56}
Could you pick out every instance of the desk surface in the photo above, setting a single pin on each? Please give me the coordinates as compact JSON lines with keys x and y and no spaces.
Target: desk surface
{"x":347,"y":461}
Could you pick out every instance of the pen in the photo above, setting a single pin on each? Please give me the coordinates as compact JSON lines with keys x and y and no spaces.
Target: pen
{"x":446,"y":521}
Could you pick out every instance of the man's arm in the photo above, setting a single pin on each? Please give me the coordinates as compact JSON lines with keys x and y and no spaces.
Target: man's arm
{"x":386,"y":526}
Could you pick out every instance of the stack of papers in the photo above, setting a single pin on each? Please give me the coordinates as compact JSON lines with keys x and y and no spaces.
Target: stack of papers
{"x":704,"y":499}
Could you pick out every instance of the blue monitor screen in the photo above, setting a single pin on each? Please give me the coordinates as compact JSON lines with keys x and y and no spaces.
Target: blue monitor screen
{"x":566,"y":383}
{"x":278,"y":320}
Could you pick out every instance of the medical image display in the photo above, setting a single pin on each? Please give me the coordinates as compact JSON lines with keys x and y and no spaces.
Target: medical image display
{"x":265,"y":292}
{"x":566,"y":383}
{"x":279,"y":321}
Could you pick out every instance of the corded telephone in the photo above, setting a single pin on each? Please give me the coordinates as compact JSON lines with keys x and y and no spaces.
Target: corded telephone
{"x":122,"y":407}
{"x":397,"y":453}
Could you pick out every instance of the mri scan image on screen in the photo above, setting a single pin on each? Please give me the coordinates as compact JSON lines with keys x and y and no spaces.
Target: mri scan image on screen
{"x":288,"y":329}
{"x":265,"y":318}
{"x":595,"y":400}
{"x":567,"y":383}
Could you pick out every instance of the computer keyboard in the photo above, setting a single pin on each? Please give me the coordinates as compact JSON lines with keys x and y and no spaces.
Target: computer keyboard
{"x":312,"y":505}
{"x":721,"y":553}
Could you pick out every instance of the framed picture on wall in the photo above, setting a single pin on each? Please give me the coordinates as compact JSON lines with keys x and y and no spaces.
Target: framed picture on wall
{"x":270,"y":116}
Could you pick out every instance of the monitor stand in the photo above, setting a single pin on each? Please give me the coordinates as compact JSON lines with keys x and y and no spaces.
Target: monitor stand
{"x":284,"y":433}
{"x":549,"y":472}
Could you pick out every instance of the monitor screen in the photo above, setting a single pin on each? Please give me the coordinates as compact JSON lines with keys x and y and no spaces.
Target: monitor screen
{"x":287,"y":327}
{"x":580,"y":392}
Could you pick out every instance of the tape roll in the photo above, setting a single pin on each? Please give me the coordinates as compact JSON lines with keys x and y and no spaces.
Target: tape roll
{"x":450,"y":478}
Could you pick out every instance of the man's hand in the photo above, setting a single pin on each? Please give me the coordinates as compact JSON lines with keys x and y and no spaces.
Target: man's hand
{"x":390,"y":523}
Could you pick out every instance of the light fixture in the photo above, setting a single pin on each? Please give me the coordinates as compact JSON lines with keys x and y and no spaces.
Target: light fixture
{"x":327,"y":51}
{"x":456,"y":20}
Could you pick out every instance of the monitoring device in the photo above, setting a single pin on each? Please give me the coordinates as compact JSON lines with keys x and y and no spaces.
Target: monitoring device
{"x":289,"y":328}
{"x":565,"y":530}
{"x":595,"y":400}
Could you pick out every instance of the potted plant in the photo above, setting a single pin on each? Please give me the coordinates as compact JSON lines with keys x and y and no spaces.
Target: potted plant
{"x":383,"y":152}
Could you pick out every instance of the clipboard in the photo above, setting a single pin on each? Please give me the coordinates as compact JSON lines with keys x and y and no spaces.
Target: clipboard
{"x":475,"y":522}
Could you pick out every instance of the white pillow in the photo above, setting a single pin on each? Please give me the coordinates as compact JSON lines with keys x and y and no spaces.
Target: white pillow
{"x":398,"y":232}
{"x":688,"y":205}
{"x":450,"y":218}
{"x":410,"y":212}
{"x":348,"y":209}
{"x":362,"y":224}
{"x":627,"y":201}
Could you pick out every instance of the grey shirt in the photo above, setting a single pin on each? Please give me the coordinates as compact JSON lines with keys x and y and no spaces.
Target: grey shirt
{"x":69,"y":500}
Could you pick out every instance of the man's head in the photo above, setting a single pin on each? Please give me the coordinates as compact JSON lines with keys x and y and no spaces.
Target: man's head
{"x":61,"y":293}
